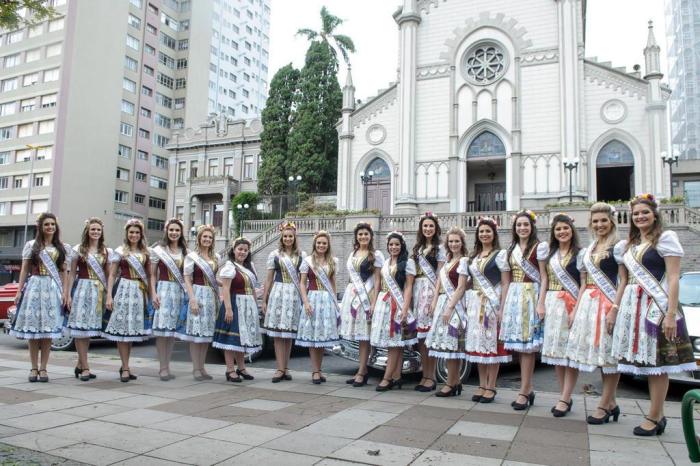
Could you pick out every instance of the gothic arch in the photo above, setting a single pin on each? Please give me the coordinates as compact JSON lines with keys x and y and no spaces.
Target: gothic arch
{"x":594,"y":150}
{"x":476,"y":129}
{"x":362,"y":164}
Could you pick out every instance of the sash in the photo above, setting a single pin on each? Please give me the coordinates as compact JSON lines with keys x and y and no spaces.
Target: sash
{"x":91,"y":260}
{"x":484,"y":283}
{"x":292,"y":271}
{"x":427,"y":269}
{"x":207,"y":271}
{"x":326,"y":282}
{"x":251,"y":276}
{"x":530,"y":270}
{"x":651,"y":287}
{"x":450,"y":290}
{"x":360,"y":287}
{"x":171,"y":265}
{"x":135,"y":264}
{"x":50,"y":266}
{"x":566,"y":280}
{"x":397,"y":298}
{"x":599,"y":278}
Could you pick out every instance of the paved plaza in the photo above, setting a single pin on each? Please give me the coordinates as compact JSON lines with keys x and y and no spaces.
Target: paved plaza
{"x":148,"y":422}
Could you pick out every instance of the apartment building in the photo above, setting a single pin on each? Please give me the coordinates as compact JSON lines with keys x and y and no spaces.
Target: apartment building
{"x":88,"y":101}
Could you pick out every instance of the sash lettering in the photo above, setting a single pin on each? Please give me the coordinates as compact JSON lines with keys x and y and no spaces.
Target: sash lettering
{"x":530,"y":270}
{"x":566,"y":280}
{"x":249,"y":274}
{"x":322,"y":276}
{"x":361,"y":288}
{"x":450,"y":290}
{"x":171,"y":265}
{"x":50,"y":266}
{"x":427,"y":269}
{"x":599,"y":278}
{"x":94,"y":264}
{"x":206,"y":270}
{"x":137,"y":266}
{"x":291,"y":271}
{"x":486,"y":286}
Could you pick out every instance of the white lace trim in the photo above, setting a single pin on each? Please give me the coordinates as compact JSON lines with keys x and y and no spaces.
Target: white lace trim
{"x":317,"y":344}
{"x":446,"y":355}
{"x":123,"y":338}
{"x":489,"y":359}
{"x":277,"y":334}
{"x":529,"y":347}
{"x":555,"y":361}
{"x":239,"y":349}
{"x":164,"y":333}
{"x":35,"y":336}
{"x":194,"y":339}
{"x":77,"y":333}
{"x":658,"y":370}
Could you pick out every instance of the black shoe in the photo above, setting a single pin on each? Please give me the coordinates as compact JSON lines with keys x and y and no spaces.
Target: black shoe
{"x":384,"y":388}
{"x":43,"y":378}
{"x":77,"y":371}
{"x":278,"y":378}
{"x":316,"y":381}
{"x":485,"y":399}
{"x":523,"y":406}
{"x":424,"y":389}
{"x":86,"y":377}
{"x":596,"y":421}
{"x":287,"y":376}
{"x":561,"y":413}
{"x":397,"y":383}
{"x":122,"y":377}
{"x":658,"y":429}
{"x":244,"y":374}
{"x":477,"y":398}
{"x":454,"y":391}
{"x":33,"y":375}
{"x":164,"y":378}
{"x":365,"y":377}
{"x":236,"y":379}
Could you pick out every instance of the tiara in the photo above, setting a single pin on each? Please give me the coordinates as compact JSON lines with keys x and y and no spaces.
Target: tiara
{"x":562,"y":214}
{"x":287,"y":226}
{"x":321,"y":232}
{"x":490,"y":220}
{"x":134,"y":221}
{"x":203,"y":227}
{"x":171,"y":221}
{"x":396,"y":233}
{"x":644,"y":197}
{"x":428,"y":214}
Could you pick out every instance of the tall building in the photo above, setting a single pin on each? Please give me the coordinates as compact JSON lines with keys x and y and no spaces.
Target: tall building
{"x":683,"y":41}
{"x":88,"y":101}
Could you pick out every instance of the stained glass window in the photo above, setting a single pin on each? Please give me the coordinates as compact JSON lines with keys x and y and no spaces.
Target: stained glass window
{"x":486,"y":144}
{"x":379,"y":169}
{"x":615,"y":153}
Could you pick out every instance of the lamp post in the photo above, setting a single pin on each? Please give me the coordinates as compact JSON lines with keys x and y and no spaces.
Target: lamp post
{"x":294,"y":187}
{"x":669,"y":160}
{"x":242,"y":209}
{"x":571,"y":166}
{"x":29,"y":190}
{"x":366,"y":179}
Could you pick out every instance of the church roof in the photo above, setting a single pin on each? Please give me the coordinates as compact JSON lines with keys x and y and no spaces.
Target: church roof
{"x":374,"y":105}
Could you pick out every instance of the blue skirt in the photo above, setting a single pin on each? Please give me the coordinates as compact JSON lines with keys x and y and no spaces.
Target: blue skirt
{"x":243,"y":332}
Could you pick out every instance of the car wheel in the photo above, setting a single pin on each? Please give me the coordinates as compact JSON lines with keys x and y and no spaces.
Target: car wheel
{"x":464,"y":370}
{"x":63,"y":343}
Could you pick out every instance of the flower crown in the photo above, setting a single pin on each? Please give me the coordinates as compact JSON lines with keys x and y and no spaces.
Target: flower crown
{"x":287,"y":226}
{"x":396,"y":233}
{"x":644,"y":197}
{"x":527,"y":212}
{"x":321,"y":233}
{"x":203,"y":227}
{"x":489,"y":221}
{"x":562,"y":214}
{"x":173,"y":220}
{"x":428,"y":214}
{"x":134,"y":222}
{"x":90,"y":220}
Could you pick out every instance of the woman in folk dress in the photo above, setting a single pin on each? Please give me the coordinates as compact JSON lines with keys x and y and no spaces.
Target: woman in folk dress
{"x":88,"y":278}
{"x":560,"y":263}
{"x":281,"y":303}
{"x":589,"y":345}
{"x":490,"y":277}
{"x":428,"y":253}
{"x":521,"y":328}
{"x":203,"y":290}
{"x":363,"y":265}
{"x":393,"y":324}
{"x":237,"y":330}
{"x":446,"y":336}
{"x":168,"y":291}
{"x":127,"y":317}
{"x":42,"y":293}
{"x":650,"y":334}
{"x":318,"y":324}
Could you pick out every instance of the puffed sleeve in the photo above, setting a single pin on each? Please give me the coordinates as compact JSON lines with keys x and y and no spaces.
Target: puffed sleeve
{"x":441,"y":254}
{"x":228,"y":270}
{"x":304,"y":267}
{"x":75,"y":253}
{"x":411,"y":267}
{"x":619,"y":251}
{"x":542,"y":251}
{"x":27,"y":250}
{"x":463,"y":267}
{"x":270,"y":264}
{"x":152,"y":254}
{"x":70,"y":255}
{"x":336,"y":262}
{"x":303,"y":254}
{"x":188,"y":266}
{"x":579,"y":260}
{"x":116,"y":255}
{"x":378,"y":258}
{"x":502,"y":261}
{"x":669,"y":245}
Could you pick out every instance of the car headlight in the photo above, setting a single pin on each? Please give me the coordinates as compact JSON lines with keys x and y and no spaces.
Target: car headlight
{"x":11,"y":313}
{"x":696,"y":344}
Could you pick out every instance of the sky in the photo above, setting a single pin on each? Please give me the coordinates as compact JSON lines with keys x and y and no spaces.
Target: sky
{"x":616,"y":32}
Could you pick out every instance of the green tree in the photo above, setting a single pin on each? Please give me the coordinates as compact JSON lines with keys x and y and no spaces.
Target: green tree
{"x":11,"y":18}
{"x":313,"y":141}
{"x":243,"y":198}
{"x":328,"y":36}
{"x":277,"y":123}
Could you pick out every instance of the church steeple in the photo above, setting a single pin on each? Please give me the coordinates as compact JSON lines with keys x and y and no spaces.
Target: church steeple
{"x":652,"y":54}
{"x":348,"y":92}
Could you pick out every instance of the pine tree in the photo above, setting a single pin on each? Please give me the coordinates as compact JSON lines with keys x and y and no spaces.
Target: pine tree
{"x":277,"y":123}
{"x":313,"y":141}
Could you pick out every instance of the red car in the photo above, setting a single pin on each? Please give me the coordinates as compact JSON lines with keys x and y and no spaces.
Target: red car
{"x":7,"y":300}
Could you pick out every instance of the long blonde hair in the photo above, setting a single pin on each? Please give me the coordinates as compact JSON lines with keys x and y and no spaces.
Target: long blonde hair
{"x":604,"y":208}
{"x":462,"y":236}
{"x":200,"y":232}
{"x":143,"y":245}
{"x":328,"y":256}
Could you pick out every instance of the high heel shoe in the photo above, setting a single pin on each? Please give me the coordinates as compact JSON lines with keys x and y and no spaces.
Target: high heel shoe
{"x":122,"y":377}
{"x":287,"y":375}
{"x":424,"y":388}
{"x":33,"y":375}
{"x":562,"y":412}
{"x":236,"y":379}
{"x":86,"y":375}
{"x":454,"y":391}
{"x":397,"y":383}
{"x":278,"y":378}
{"x":658,"y":429}
{"x":198,"y":378}
{"x":357,"y":384}
{"x":384,"y":388}
{"x":596,"y":421}
{"x":522,"y":406}
{"x":244,"y":374}
{"x":43,"y":378}
{"x":485,"y":399}
{"x":77,"y":371}
{"x":316,"y":381}
{"x":477,"y":398}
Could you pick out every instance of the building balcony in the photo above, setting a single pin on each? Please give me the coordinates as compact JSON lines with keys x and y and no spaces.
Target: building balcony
{"x":213,"y":185}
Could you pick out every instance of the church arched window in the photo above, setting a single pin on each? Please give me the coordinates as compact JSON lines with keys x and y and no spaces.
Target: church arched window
{"x":486,"y":144}
{"x":485,"y":63}
{"x":379,"y":169}
{"x":615,"y":153}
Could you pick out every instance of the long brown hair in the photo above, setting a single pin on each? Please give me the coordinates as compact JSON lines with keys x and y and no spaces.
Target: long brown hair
{"x":421,"y":240}
{"x":85,"y":237}
{"x":462,"y":236}
{"x":531,"y":240}
{"x":328,"y":256}
{"x":554,"y":242}
{"x":635,"y":235}
{"x":478,"y":246}
{"x":55,"y":241}
{"x":143,"y":245}
{"x":370,"y":246}
{"x":181,"y":243}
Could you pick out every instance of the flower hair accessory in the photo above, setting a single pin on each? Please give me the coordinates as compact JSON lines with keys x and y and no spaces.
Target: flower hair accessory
{"x":203,"y":227}
{"x":489,"y":221}
{"x":396,"y":233}
{"x":288,"y":226}
{"x":171,"y":221}
{"x":528,"y":213}
{"x":428,"y":214}
{"x":134,"y":222}
{"x":644,"y":197}
{"x":562,"y":214}
{"x":320,"y":233}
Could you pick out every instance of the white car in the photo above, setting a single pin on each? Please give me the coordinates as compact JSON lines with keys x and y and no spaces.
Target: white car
{"x":689,"y":298}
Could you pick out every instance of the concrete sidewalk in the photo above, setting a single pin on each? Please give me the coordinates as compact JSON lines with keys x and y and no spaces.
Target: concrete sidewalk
{"x":147,"y":421}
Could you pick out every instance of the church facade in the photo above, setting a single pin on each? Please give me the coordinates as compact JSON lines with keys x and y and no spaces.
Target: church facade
{"x":496,"y":108}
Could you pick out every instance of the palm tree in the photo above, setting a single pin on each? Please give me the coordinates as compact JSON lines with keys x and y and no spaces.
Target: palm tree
{"x":333,"y":41}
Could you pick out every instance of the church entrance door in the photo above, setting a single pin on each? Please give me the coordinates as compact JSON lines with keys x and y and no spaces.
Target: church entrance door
{"x":615,"y":172}
{"x":490,"y":197}
{"x":379,"y":197}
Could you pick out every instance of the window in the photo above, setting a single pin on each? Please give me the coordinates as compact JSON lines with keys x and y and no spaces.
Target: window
{"x":15,"y":36}
{"x":248,"y":167}
{"x":181,"y":171}
{"x":44,"y":153}
{"x":5,"y":133}
{"x":11,"y":60}
{"x":149,"y":49}
{"x":163,"y":121}
{"x":228,"y":166}
{"x":245,"y":93}
{"x":180,"y":102}
{"x":5,"y":157}
{"x":167,"y":40}
{"x":39,"y":206}
{"x":156,"y":203}
{"x":148,"y":70}
{"x":18,"y":182}
{"x":8,"y":108}
{"x":160,"y":141}
{"x":178,"y":123}
{"x":152,"y":9}
{"x":244,"y":108}
{"x":4,"y":182}
{"x":8,"y":85}
{"x":159,"y":162}
{"x":23,"y":155}
{"x":146,"y":113}
{"x":30,"y":79}
{"x":126,"y":129}
{"x":151,"y":29}
{"x":32,"y":55}
{"x":56,"y":25}
{"x":121,"y":196}
{"x":122,"y":174}
{"x":155,"y":224}
{"x":41,"y":180}
{"x":19,"y":208}
{"x":180,"y":83}
{"x":27,"y":105}
{"x":37,"y":30}
{"x":134,"y":21}
{"x":53,"y":50}
{"x":127,"y":107}
{"x":25,"y":130}
{"x":140,"y":176}
{"x":143,"y":155}
{"x":145,"y":90}
{"x":139,"y":198}
{"x":194,"y":165}
{"x":46,"y":126}
{"x":133,"y":42}
{"x":246,"y":77}
{"x":183,"y":44}
{"x":158,"y":183}
{"x":129,"y":85}
{"x":124,"y":151}
{"x":51,"y":75}
{"x":165,"y":80}
{"x":164,"y":100}
{"x":181,"y":63}
{"x":170,"y":22}
{"x":136,"y":3}
{"x":130,"y":63}
{"x":48,"y":100}
{"x":166,"y":60}
{"x":3,"y":211}
{"x":144,"y":133}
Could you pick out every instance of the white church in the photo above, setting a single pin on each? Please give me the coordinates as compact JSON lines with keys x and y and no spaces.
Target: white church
{"x":494,"y":99}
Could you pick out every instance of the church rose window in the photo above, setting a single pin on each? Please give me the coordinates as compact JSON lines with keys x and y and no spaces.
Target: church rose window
{"x":486,"y":144}
{"x":485,"y":63}
{"x":613,"y":154}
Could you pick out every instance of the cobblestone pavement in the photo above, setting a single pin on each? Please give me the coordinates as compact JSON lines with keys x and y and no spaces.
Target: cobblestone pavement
{"x":149,"y":422}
